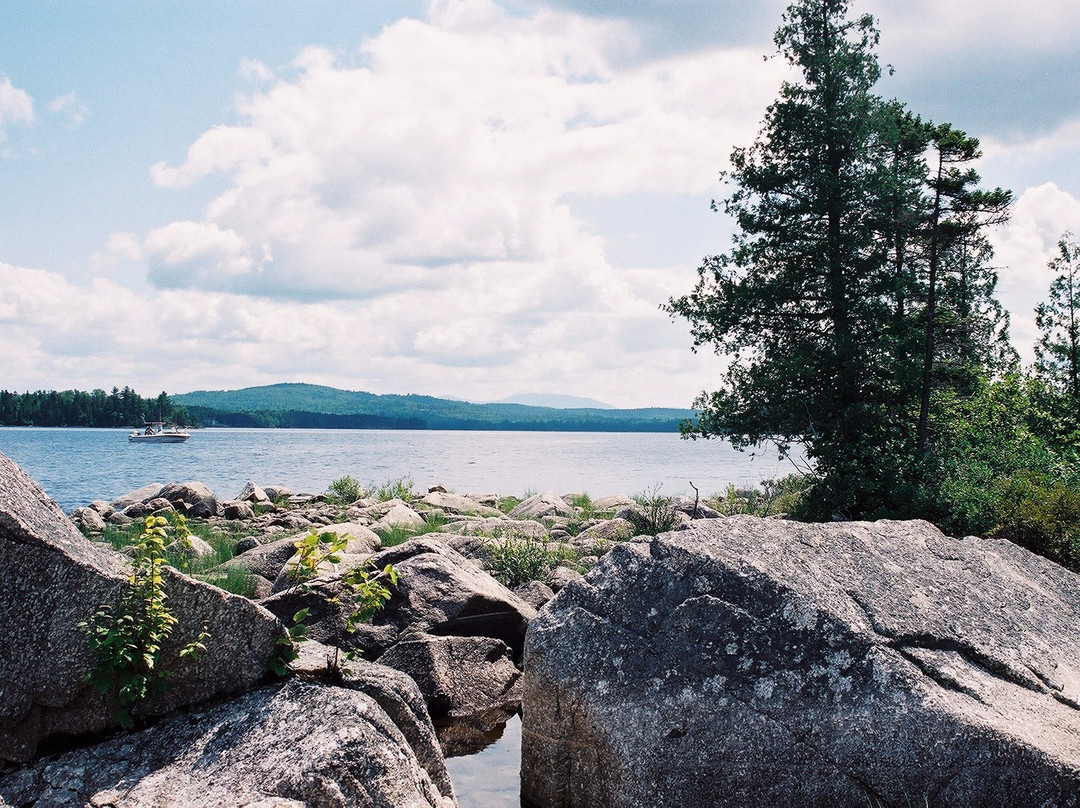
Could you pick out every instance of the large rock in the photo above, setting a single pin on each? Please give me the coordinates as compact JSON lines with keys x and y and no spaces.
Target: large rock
{"x":138,"y":496}
{"x":438,"y":592}
{"x":51,"y":579}
{"x":458,"y":675}
{"x":455,"y":503}
{"x":296,"y":744}
{"x":763,"y":662}
{"x":540,"y":505}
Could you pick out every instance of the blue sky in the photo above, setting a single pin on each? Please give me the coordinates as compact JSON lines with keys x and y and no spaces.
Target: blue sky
{"x":465,"y":198}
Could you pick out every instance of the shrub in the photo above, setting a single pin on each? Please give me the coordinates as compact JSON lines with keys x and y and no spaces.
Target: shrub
{"x":785,"y":495}
{"x":345,"y":490}
{"x":128,"y":636}
{"x":1040,"y":514}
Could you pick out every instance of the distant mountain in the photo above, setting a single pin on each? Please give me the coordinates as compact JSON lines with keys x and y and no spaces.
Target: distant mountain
{"x":555,"y":401}
{"x":309,"y":405}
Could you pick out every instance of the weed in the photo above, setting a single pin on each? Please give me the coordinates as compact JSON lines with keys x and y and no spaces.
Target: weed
{"x":401,"y":488}
{"x":128,"y":636}
{"x":394,"y":535}
{"x":514,"y":561}
{"x":657,"y":514}
{"x":507,"y":504}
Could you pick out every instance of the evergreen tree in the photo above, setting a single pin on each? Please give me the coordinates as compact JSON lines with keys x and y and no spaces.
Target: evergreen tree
{"x":1057,"y":353}
{"x":805,"y":302}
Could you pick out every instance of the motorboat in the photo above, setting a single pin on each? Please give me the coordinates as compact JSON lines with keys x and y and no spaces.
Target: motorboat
{"x":159,"y":432}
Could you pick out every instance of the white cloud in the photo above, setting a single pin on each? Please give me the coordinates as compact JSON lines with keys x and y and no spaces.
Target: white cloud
{"x":69,"y":105}
{"x":418,"y":341}
{"x":1024,"y":247}
{"x":16,"y":106}
{"x":455,"y":144}
{"x":919,"y":27}
{"x":195,"y":253}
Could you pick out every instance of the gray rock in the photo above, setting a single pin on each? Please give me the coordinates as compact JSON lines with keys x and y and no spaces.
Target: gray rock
{"x":245,"y":544}
{"x":535,"y":593}
{"x":611,"y":531}
{"x":102,"y":507}
{"x":51,"y":579}
{"x":686,"y":505}
{"x":189,"y":493}
{"x":438,"y":592}
{"x":762,"y":662}
{"x":138,"y":496}
{"x":540,"y":505}
{"x":276,"y":492}
{"x":458,"y":675}
{"x":159,"y":505}
{"x":296,"y":744}
{"x":401,"y":515}
{"x":561,"y":576}
{"x":194,"y":547}
{"x":119,"y":520}
{"x":205,"y":508}
{"x":91,"y":520}
{"x":458,"y":504}
{"x":612,"y":504}
{"x":238,"y":510}
{"x":252,"y":493}
{"x":266,"y":560}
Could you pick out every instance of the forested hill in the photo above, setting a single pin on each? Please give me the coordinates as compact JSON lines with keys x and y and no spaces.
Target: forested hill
{"x":308,"y":405}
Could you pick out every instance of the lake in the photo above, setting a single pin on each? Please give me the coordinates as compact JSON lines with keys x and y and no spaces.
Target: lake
{"x":77,"y":466}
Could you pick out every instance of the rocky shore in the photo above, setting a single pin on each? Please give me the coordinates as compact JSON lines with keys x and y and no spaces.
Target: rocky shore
{"x":663,"y":654}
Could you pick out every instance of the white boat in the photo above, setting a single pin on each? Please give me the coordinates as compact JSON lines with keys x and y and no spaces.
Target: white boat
{"x":158,"y":432}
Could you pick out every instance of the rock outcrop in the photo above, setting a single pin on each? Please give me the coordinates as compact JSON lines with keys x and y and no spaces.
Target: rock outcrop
{"x":764,"y":662}
{"x":439,"y":592}
{"x":52,"y":579}
{"x":295,"y":744}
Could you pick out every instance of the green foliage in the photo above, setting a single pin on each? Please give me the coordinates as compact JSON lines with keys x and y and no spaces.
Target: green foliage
{"x":234,"y":580}
{"x":857,"y":286}
{"x":657,"y":514}
{"x":782,"y":496}
{"x":313,"y":550}
{"x":517,"y":560}
{"x":401,"y":488}
{"x":1041,"y":514}
{"x":97,"y":408}
{"x":1058,"y":319}
{"x":286,"y":652}
{"x":128,"y":636}
{"x":507,"y":504}
{"x":346,"y":490}
{"x":368,"y":590}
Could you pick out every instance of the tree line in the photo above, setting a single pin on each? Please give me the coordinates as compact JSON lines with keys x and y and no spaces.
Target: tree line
{"x":96,"y":408}
{"x":857,"y":307}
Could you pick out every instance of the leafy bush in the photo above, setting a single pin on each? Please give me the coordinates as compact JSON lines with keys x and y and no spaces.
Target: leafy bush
{"x":345,"y":490}
{"x":128,"y":636}
{"x":1040,"y":514}
{"x":781,"y":496}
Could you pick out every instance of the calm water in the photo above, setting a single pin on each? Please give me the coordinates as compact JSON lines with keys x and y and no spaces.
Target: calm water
{"x":77,"y":466}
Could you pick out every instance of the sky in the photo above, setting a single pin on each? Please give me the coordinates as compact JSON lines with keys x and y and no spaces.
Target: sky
{"x":463,"y":198}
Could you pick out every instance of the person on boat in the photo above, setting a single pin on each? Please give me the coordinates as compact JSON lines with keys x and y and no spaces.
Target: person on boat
{"x":149,"y":431}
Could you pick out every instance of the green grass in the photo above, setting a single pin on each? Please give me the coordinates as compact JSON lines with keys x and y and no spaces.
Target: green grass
{"x":401,"y":488}
{"x":221,"y":540}
{"x":399,"y":534}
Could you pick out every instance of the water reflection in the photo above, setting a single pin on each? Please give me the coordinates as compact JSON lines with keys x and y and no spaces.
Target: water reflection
{"x":483,"y":756}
